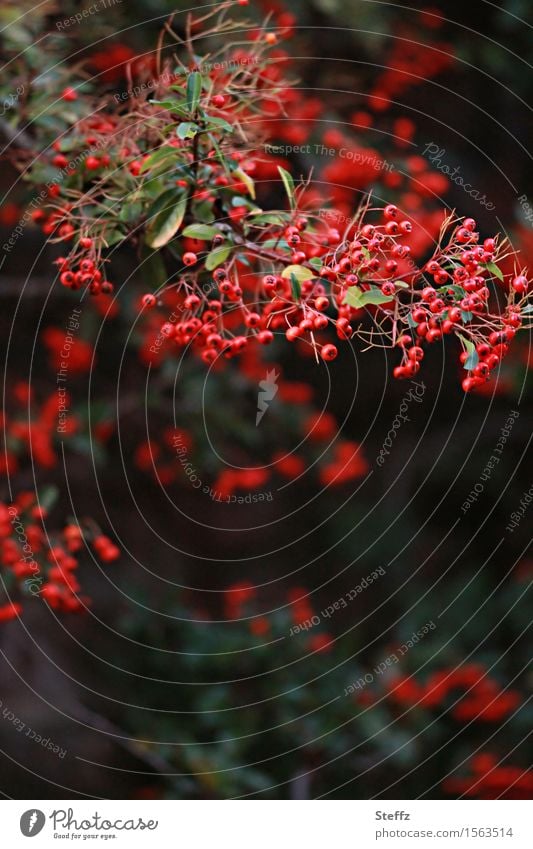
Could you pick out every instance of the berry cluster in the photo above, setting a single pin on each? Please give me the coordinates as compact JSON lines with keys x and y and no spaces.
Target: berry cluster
{"x":36,"y":562}
{"x":176,"y":178}
{"x":321,"y":279}
{"x":473,"y":693}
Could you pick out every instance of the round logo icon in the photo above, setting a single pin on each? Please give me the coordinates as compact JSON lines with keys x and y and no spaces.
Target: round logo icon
{"x":32,"y":822}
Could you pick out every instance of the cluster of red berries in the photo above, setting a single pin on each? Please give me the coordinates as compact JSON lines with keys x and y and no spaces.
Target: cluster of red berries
{"x":483,"y":698}
{"x":490,"y":779}
{"x":321,"y":273}
{"x":458,"y":302}
{"x":298,"y":277}
{"x":80,"y":270}
{"x":240,"y":599}
{"x":36,"y":562}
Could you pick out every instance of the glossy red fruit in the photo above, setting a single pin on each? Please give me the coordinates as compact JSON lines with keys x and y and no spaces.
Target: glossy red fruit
{"x":328,"y":352}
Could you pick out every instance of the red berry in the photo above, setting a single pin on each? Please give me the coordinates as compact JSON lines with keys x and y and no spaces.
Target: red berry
{"x":69,"y":94}
{"x":148,"y":301}
{"x":390,"y":211}
{"x":328,"y":352}
{"x":219,"y":100}
{"x":292,"y":333}
{"x":416,"y":353}
{"x":190,"y":258}
{"x":520,"y":284}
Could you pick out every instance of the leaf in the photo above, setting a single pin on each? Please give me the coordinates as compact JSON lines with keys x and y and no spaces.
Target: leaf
{"x":113,"y":237}
{"x":299,"y":272}
{"x":48,"y":497}
{"x":217,"y":256}
{"x":162,"y":202}
{"x":187,"y":130}
{"x":171,"y":105}
{"x":201,"y":231}
{"x":401,"y":284}
{"x":473,"y":357}
{"x":194,"y":90}
{"x":166,"y":225}
{"x":243,"y":177}
{"x":275,"y":243}
{"x":153,"y":268}
{"x":130,"y":212}
{"x":157,"y":157}
{"x":316,"y":262}
{"x":494,"y":269}
{"x":466,"y":316}
{"x":266,"y":218}
{"x":288,"y":182}
{"x":457,"y":290}
{"x":358,"y":299}
{"x":218,"y":123}
{"x":203,"y":212}
{"x":527,"y":309}
{"x":296,"y":288}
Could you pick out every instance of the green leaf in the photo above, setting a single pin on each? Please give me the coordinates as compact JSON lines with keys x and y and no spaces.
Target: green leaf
{"x":217,"y":256}
{"x":158,"y":156}
{"x":201,"y":231}
{"x":163,"y":202}
{"x":401,"y":284}
{"x":494,"y":269}
{"x":166,"y":224}
{"x":466,"y":316}
{"x":113,"y":237}
{"x":153,"y":268}
{"x":130,"y":212}
{"x":48,"y":496}
{"x":203,"y":212}
{"x":194,"y":90}
{"x":171,"y":105}
{"x":527,"y":309}
{"x":316,"y":262}
{"x":243,"y":177}
{"x":288,"y":182}
{"x":275,"y":243}
{"x":473,"y":357}
{"x":267,"y":218}
{"x":457,"y":290}
{"x":358,"y":299}
{"x":187,"y":130}
{"x":218,"y":124}
{"x":299,"y":272}
{"x":296,"y":288}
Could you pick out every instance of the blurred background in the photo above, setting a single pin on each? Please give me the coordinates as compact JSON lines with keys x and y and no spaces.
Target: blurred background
{"x":190,"y":675}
